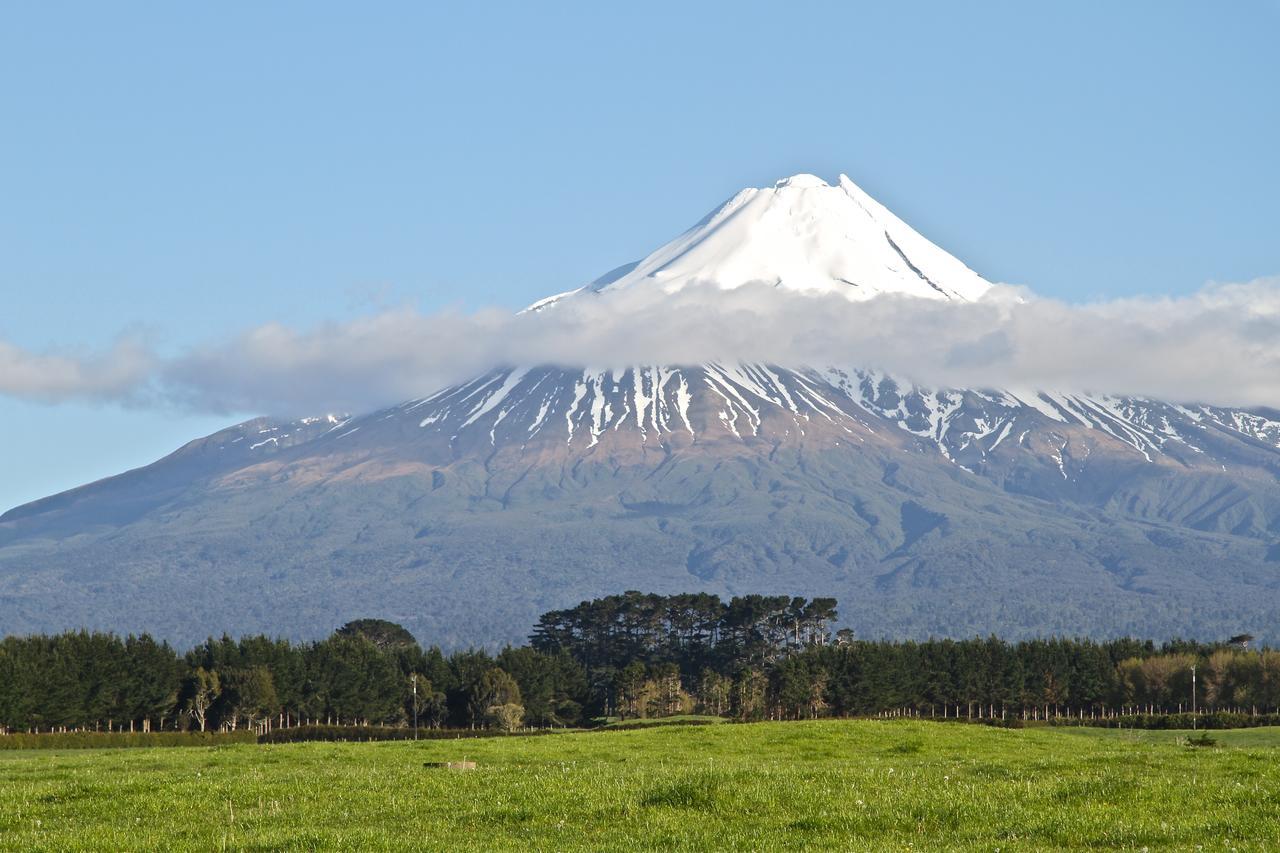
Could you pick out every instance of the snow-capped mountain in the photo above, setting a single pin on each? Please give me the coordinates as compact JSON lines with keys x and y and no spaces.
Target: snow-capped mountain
{"x":802,"y":234}
{"x":465,"y":513}
{"x":806,"y":235}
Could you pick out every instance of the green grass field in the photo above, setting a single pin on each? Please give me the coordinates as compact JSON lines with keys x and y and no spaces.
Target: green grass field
{"x":845,"y":785}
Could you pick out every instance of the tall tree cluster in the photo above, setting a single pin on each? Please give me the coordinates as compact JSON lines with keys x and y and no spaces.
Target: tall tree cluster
{"x":687,"y":629}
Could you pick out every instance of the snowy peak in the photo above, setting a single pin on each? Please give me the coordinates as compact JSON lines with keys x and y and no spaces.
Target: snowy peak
{"x":801,"y":181}
{"x":804,"y":235}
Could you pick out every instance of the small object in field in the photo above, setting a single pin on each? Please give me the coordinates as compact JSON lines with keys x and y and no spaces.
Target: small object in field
{"x":1202,"y":740}
{"x":451,"y":765}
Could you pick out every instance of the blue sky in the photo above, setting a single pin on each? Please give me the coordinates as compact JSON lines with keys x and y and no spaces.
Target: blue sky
{"x":183,"y":173}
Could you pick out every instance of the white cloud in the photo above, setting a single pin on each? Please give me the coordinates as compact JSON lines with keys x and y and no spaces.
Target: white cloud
{"x":1220,"y":345}
{"x":118,"y":374}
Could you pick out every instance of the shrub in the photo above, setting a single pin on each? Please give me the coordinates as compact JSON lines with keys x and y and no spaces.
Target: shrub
{"x":120,"y":740}
{"x":1215,"y":720}
{"x":300,"y":734}
{"x":506,"y":717}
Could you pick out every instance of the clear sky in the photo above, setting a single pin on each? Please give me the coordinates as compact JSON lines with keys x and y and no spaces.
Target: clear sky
{"x":184,"y":171}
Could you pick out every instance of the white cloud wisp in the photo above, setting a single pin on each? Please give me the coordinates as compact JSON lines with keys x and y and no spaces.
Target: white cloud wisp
{"x":1218,"y":345}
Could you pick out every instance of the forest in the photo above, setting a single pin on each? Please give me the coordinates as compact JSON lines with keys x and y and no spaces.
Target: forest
{"x":625,"y":656}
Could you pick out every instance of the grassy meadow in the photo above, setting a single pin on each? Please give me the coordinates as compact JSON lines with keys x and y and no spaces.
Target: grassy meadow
{"x":846,"y":785}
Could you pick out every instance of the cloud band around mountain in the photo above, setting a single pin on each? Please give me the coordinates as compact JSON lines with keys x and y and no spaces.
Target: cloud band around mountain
{"x":1218,"y":345}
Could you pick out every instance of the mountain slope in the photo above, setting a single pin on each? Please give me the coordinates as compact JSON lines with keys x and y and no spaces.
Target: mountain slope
{"x":466,"y":513}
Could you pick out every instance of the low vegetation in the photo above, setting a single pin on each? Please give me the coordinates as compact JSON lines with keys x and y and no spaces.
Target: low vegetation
{"x":1212,"y":720}
{"x":121,"y":740}
{"x":808,"y":785}
{"x":360,"y":734}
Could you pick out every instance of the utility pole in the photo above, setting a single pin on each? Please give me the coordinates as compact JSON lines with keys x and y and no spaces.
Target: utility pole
{"x":414,"y":678}
{"x":1193,"y":697}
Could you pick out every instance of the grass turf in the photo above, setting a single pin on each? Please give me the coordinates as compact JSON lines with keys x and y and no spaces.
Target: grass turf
{"x":822,"y":785}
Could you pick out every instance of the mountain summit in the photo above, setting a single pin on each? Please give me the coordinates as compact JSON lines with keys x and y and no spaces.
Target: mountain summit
{"x":464,"y":514}
{"x":801,"y":234}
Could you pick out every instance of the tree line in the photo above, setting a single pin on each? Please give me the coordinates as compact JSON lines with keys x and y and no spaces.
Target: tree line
{"x":630,"y":655}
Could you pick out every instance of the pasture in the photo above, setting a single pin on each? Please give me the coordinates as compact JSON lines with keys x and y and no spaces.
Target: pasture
{"x":820,"y":785}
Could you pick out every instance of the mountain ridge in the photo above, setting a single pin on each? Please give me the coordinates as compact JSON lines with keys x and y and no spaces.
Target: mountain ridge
{"x":465,"y":513}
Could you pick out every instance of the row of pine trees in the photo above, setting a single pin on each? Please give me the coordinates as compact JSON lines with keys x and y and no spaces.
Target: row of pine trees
{"x":631,"y":655}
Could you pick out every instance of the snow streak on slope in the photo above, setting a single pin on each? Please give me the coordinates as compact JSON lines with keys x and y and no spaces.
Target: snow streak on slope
{"x":804,"y":235}
{"x":662,"y":408}
{"x":281,"y":434}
